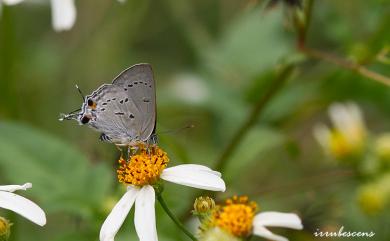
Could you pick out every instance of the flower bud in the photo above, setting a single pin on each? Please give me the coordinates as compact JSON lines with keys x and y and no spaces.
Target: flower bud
{"x":5,"y":229}
{"x":203,"y":205}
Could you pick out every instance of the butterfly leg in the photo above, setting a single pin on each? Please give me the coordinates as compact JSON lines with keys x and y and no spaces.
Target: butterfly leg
{"x":129,"y":152}
{"x":120,"y":150}
{"x":152,"y":143}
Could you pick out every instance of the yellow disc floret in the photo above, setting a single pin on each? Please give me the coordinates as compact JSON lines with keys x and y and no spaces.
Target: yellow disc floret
{"x":143,"y":168}
{"x":236,"y":216}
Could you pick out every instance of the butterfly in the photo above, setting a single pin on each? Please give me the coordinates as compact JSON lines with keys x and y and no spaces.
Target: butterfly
{"x":124,"y":111}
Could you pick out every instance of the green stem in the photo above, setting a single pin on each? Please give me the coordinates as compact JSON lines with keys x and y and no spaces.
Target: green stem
{"x":252,"y":118}
{"x":250,"y":121}
{"x":302,"y":25}
{"x":173,"y":217}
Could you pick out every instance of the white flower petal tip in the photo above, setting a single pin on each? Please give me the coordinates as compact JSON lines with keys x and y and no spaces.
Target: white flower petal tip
{"x":144,"y":217}
{"x":27,"y":186}
{"x":322,"y":134}
{"x":13,"y":188}
{"x":63,"y":14}
{"x":23,"y":207}
{"x":12,"y":2}
{"x":196,"y":176}
{"x":118,"y":214}
{"x":278,"y":219}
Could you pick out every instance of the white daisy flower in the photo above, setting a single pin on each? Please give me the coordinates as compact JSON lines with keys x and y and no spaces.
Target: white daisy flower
{"x":11,"y":2}
{"x":348,"y":135}
{"x":275,"y":219}
{"x":21,"y":205}
{"x":8,"y":2}
{"x":63,"y":14}
{"x":139,"y":174}
{"x":238,"y":219}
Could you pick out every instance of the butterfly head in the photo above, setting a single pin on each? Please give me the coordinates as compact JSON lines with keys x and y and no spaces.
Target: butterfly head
{"x":88,"y":112}
{"x":84,"y":115}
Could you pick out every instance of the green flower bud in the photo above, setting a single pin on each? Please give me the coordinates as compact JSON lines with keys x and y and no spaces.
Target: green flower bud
{"x":5,"y":229}
{"x":203,"y":205}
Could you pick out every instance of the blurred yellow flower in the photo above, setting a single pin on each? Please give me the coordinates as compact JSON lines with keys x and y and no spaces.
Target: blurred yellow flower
{"x":347,"y":138}
{"x":382,"y":148}
{"x":373,"y":198}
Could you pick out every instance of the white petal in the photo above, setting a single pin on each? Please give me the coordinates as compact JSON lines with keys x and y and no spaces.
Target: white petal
{"x":13,"y":188}
{"x":144,"y":217}
{"x":322,"y":135}
{"x":339,"y":115}
{"x":22,"y":206}
{"x":277,"y":219}
{"x":118,"y":214}
{"x":63,"y":14}
{"x":354,"y":112}
{"x":265,"y":233}
{"x":197,"y":167}
{"x":12,"y":2}
{"x":193,"y":176}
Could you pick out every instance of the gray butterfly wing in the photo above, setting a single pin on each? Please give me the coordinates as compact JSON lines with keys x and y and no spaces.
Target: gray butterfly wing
{"x":126,"y":109}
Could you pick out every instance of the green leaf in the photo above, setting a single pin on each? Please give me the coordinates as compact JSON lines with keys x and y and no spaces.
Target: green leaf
{"x":62,"y":177}
{"x":252,"y":148}
{"x":252,"y":43}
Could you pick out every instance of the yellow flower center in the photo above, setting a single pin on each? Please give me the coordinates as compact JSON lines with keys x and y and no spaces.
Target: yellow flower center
{"x":339,"y":144}
{"x":236,"y":216}
{"x":143,"y":168}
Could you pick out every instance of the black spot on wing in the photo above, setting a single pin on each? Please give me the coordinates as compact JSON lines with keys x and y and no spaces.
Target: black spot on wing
{"x":104,"y":137}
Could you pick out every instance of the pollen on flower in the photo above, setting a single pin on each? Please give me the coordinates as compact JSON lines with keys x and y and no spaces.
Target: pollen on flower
{"x":143,"y":168}
{"x":236,"y":216}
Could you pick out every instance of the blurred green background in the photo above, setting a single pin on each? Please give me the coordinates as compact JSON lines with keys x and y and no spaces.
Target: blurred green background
{"x":213,"y":61}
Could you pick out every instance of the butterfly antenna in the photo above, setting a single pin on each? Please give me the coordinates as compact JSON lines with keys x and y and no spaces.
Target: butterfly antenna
{"x":81,"y":93}
{"x":189,"y":126}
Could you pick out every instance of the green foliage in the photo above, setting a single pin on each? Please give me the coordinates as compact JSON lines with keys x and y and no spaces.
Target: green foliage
{"x":63,"y":178}
{"x":232,"y":51}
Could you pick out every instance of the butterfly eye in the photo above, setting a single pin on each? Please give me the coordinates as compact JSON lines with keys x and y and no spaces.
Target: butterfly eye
{"x":91,"y":104}
{"x":85,"y":119}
